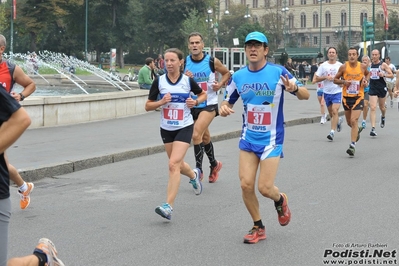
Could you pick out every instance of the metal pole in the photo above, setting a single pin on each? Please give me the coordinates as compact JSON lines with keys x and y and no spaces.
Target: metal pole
{"x":372,"y":40}
{"x":321,"y":16}
{"x":86,"y":25}
{"x":209,"y":31}
{"x":350,"y":30}
{"x":12,"y":29}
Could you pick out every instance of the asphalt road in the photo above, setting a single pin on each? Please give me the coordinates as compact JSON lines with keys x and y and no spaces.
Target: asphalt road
{"x":105,"y":215}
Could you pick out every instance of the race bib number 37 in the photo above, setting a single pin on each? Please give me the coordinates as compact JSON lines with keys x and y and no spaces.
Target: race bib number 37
{"x":259,"y":117}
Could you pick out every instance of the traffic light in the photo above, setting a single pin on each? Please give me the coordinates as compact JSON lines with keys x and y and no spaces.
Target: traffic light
{"x":368,"y":30}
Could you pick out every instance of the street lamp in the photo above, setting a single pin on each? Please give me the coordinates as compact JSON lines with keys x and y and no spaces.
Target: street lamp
{"x":321,"y":16}
{"x":285,"y":9}
{"x":247,"y":15}
{"x":340,"y":30}
{"x":209,"y":20}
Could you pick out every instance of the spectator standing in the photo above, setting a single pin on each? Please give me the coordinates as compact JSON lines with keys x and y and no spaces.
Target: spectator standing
{"x":145,"y":74}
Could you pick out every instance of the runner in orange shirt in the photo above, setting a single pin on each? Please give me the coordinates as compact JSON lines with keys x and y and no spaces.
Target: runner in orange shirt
{"x":354,"y":77}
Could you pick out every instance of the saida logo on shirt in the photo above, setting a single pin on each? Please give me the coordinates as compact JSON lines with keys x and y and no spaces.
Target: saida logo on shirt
{"x":260,"y":89}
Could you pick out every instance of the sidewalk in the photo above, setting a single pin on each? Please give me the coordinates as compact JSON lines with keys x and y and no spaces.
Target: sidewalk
{"x":52,"y":151}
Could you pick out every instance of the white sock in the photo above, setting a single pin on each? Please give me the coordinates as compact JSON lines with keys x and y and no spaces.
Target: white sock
{"x":23,"y":188}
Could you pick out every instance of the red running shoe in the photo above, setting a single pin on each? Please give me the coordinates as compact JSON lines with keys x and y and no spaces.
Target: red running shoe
{"x":214,"y":173}
{"x":283,"y":212}
{"x":254,"y":235}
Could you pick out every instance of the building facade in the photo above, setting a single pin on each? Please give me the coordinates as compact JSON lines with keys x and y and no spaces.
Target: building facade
{"x":318,"y":23}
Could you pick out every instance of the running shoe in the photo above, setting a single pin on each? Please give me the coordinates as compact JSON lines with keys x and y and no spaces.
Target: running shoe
{"x":351,"y":150}
{"x":197,"y":186}
{"x":254,"y":235}
{"x":373,"y":133}
{"x":391,"y":104}
{"x":358,"y":133}
{"x":331,"y":136}
{"x":283,"y":212}
{"x":47,"y":247}
{"x":364,"y":124}
{"x":165,"y":210}
{"x":214,"y":173}
{"x":322,"y":119}
{"x":25,"y":196}
{"x":340,"y":119}
{"x":382,"y":122}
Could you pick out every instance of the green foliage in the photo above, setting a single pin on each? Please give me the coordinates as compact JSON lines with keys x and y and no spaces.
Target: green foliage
{"x":246,"y":28}
{"x":342,"y":50}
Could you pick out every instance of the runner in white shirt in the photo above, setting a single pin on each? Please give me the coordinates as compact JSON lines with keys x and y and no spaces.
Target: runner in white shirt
{"x":390,"y":81}
{"x":332,"y":92}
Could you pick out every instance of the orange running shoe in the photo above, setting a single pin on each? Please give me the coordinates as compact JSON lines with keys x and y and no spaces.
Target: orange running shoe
{"x":254,"y":235}
{"x":47,"y":247}
{"x":25,"y":196}
{"x":214,"y":173}
{"x":283,"y":212}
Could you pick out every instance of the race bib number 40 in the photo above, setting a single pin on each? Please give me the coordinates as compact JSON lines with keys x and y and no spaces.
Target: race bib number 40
{"x":173,"y":114}
{"x":259,"y":117}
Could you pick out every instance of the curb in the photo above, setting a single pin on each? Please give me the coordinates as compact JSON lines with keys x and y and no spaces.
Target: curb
{"x":54,"y":170}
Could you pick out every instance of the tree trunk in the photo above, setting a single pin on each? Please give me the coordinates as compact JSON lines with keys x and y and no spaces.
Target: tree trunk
{"x":119,"y":58}
{"x":33,"y":38}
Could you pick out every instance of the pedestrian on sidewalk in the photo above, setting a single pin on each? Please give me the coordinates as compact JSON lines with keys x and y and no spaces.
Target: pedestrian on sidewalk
{"x":177,"y":123}
{"x":10,"y":74}
{"x":261,"y":86}
{"x":354,"y":76}
{"x":204,"y":69}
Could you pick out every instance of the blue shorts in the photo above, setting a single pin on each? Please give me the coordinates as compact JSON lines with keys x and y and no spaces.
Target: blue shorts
{"x":320,"y":93}
{"x":263,"y":152}
{"x":332,"y":98}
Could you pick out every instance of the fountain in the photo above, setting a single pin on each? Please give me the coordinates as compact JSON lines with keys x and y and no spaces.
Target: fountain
{"x":83,"y":103}
{"x":63,"y":65}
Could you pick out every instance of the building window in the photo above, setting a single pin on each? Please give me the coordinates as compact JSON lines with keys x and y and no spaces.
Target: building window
{"x":315,"y":20}
{"x":343,"y":18}
{"x":343,"y":0}
{"x":327,"y":40}
{"x":328,"y":1}
{"x":315,"y":2}
{"x":267,"y":3}
{"x":314,"y":40}
{"x":328,"y":19}
{"x":243,"y":2}
{"x":380,"y":17}
{"x":255,"y":3}
{"x":303,"y":20}
{"x":291,"y":3}
{"x":291,"y":21}
{"x":303,"y":2}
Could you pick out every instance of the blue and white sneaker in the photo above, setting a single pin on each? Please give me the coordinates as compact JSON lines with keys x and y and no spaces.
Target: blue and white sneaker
{"x":364,"y":124}
{"x":165,"y":210}
{"x":197,"y":185}
{"x":331,"y":136}
{"x":340,"y":119}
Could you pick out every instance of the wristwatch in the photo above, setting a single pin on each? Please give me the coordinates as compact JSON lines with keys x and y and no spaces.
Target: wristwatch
{"x":22,"y":97}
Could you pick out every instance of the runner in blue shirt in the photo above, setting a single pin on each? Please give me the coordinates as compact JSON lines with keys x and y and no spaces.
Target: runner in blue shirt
{"x":261,"y":87}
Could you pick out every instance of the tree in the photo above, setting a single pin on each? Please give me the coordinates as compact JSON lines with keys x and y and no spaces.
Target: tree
{"x":342,"y":50}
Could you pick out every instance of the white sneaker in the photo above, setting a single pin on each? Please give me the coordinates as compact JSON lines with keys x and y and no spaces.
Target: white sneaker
{"x":322,"y":119}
